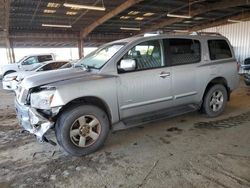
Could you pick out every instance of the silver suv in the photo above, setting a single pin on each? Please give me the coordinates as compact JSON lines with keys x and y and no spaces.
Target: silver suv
{"x":127,"y":83}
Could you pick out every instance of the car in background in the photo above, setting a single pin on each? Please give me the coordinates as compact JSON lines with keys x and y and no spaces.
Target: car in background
{"x":26,"y":63}
{"x":246,"y":65}
{"x":246,"y":70}
{"x":11,"y":80}
{"x":247,"y":79}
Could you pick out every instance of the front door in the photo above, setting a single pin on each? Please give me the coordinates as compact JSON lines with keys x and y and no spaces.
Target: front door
{"x":148,"y":88}
{"x":30,"y":63}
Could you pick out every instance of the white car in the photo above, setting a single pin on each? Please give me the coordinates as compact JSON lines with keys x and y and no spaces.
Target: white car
{"x":11,"y":80}
{"x":26,"y":63}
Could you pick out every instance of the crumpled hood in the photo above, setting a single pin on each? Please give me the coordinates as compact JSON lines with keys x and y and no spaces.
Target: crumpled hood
{"x":49,"y":77}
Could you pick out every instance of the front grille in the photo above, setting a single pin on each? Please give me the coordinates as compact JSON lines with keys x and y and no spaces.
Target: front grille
{"x":22,"y":94}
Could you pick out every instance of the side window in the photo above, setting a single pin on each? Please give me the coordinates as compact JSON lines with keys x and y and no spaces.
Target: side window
{"x":147,"y":55}
{"x":219,"y":49}
{"x":45,"y":67}
{"x":52,"y":66}
{"x":60,"y":64}
{"x":30,"y":61}
{"x":67,"y":65}
{"x":44,"y":58}
{"x":182,"y":51}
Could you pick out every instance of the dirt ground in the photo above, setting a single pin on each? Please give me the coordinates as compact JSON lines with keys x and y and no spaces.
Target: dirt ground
{"x":187,"y":151}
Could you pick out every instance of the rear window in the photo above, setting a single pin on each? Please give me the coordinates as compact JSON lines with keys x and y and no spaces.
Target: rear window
{"x":44,"y":58}
{"x":183,"y":51}
{"x":219,"y":49}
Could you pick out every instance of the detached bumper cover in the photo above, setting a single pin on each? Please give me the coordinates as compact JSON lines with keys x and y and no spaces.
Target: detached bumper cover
{"x":32,"y":121}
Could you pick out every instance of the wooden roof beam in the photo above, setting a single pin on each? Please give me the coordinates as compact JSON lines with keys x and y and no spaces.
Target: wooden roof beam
{"x":223,"y":4}
{"x":6,"y":16}
{"x":224,"y":21}
{"x":127,"y":4}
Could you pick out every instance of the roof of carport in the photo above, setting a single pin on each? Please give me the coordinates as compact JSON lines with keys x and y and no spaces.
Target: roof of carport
{"x":22,"y":20}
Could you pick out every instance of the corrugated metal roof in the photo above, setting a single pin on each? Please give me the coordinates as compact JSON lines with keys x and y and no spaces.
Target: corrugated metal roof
{"x":27,"y":16}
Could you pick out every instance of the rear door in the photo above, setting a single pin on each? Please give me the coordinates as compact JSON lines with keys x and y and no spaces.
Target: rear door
{"x":183,"y":55}
{"x":148,"y":88}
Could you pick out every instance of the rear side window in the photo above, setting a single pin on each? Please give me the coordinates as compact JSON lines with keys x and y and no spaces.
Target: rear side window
{"x":182,"y":51}
{"x":44,"y":58}
{"x":219,"y":49}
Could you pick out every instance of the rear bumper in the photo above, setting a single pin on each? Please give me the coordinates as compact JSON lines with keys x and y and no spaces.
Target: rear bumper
{"x":31,"y":121}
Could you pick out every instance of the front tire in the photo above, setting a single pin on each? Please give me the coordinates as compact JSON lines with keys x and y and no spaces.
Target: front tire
{"x":82,"y":130}
{"x":215,"y":100}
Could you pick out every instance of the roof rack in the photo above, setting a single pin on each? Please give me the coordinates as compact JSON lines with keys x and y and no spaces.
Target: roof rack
{"x":152,"y":33}
{"x":206,"y":33}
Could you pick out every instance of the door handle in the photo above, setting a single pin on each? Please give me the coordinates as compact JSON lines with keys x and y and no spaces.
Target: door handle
{"x":164,"y":74}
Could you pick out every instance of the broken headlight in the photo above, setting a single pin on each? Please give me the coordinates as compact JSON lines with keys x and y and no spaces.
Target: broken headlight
{"x":42,"y":99}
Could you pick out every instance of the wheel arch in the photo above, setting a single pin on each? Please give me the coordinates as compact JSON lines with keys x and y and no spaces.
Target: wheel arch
{"x":90,"y":100}
{"x":8,"y":72}
{"x":217,"y":80}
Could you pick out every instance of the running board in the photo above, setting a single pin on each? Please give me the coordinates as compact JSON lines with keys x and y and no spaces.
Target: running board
{"x":153,"y":117}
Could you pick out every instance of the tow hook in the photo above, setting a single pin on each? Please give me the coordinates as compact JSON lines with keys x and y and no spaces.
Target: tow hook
{"x":49,"y":141}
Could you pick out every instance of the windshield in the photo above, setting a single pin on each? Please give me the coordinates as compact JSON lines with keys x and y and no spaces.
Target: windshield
{"x":36,"y":67}
{"x":99,"y":57}
{"x":21,"y":59}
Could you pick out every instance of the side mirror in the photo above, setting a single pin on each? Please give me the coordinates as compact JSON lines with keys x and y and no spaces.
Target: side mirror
{"x":127,"y":65}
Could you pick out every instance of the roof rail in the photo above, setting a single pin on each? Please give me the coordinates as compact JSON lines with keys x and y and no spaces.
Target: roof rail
{"x":206,"y":33}
{"x":152,"y":33}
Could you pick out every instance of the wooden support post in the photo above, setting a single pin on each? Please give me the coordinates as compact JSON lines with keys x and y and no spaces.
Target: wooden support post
{"x":80,"y":48}
{"x":8,"y":50}
{"x":13,"y":57}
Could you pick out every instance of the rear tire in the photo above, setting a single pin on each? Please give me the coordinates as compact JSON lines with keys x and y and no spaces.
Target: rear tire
{"x":82,"y":130}
{"x":215,"y":100}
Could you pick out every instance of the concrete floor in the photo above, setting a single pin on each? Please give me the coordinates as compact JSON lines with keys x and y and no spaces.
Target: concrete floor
{"x":187,"y":151}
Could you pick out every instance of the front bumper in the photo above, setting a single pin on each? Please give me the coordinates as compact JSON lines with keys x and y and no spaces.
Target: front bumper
{"x":32,"y":121}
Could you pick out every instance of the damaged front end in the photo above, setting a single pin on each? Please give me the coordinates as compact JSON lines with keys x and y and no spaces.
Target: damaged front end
{"x":34,"y":120}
